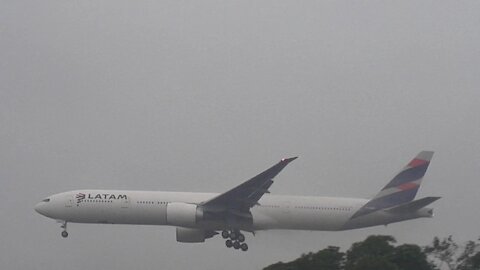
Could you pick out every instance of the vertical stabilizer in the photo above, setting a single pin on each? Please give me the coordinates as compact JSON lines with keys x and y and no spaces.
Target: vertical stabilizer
{"x":402,"y":188}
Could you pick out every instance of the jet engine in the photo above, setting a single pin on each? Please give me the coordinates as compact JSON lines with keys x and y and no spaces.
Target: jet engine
{"x":183,"y":214}
{"x":187,"y":235}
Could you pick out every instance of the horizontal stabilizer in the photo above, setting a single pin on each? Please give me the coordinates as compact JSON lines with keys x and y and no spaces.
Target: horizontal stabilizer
{"x":413,"y":205}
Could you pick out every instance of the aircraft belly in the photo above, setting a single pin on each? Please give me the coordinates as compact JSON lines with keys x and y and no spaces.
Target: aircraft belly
{"x":144,"y":215}
{"x":298,"y":219}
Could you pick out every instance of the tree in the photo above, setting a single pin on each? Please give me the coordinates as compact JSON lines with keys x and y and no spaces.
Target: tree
{"x":329,"y":258}
{"x":476,"y":261}
{"x":410,"y":257}
{"x":448,"y":252}
{"x":374,"y":263}
{"x":378,"y":252}
{"x":444,"y":251}
{"x":469,"y":259}
{"x":374,"y":247}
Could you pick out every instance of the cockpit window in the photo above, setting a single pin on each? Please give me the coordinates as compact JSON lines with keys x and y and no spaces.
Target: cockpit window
{"x":46,"y":200}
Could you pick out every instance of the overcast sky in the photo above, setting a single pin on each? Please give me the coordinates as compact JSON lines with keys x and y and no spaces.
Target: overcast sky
{"x":202,"y":95}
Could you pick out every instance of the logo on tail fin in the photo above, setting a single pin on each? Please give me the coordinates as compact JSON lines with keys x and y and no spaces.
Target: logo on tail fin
{"x":402,"y":188}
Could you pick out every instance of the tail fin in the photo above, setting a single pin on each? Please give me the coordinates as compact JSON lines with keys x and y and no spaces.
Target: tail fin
{"x":402,"y":188}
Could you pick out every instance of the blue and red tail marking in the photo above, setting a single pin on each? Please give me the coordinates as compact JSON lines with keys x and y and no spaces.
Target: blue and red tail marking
{"x":402,"y":188}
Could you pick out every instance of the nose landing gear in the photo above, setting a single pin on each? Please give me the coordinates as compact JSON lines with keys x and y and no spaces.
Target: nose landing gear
{"x":64,"y":227}
{"x":236,"y":240}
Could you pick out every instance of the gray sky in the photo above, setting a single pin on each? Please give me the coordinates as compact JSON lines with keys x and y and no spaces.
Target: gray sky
{"x":202,"y":95}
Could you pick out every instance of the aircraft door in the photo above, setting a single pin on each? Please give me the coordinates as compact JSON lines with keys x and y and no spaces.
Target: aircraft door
{"x":68,"y":200}
{"x":125,"y":203}
{"x":286,"y":206}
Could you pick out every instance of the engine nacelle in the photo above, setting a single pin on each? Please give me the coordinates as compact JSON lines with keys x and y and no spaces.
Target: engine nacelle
{"x":187,"y":235}
{"x":183,"y":214}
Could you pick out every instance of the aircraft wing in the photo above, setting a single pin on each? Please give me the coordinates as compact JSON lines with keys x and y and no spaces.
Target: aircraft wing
{"x":244,"y":196}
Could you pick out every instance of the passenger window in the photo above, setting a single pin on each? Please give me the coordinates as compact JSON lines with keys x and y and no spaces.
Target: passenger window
{"x":46,"y":200}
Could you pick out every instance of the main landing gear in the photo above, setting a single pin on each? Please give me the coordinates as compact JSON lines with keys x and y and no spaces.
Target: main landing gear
{"x":236,"y":240}
{"x":64,"y":227}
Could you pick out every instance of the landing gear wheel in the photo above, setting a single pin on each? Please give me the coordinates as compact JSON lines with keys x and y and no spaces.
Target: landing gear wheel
{"x":225,"y":234}
{"x":228,"y":243}
{"x":233,"y":235}
{"x":241,"y":237}
{"x":236,"y":245}
{"x":64,"y":227}
{"x":244,"y":247}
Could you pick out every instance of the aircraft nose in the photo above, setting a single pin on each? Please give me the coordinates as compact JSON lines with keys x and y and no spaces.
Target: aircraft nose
{"x":40,"y":208}
{"x":47,"y":207}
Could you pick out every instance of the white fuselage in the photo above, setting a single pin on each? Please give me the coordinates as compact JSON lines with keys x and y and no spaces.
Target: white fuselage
{"x":272,"y":212}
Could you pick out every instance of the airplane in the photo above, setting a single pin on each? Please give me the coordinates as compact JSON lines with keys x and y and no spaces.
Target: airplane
{"x":245,"y":208}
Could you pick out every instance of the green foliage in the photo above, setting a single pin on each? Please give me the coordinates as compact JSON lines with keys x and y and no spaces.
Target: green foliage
{"x":409,"y":257}
{"x":326,"y":259}
{"x":374,"y":247}
{"x":449,"y":253}
{"x":476,"y":261}
{"x":443,"y":250}
{"x":378,"y":252}
{"x":329,"y":258}
{"x":374,"y":263}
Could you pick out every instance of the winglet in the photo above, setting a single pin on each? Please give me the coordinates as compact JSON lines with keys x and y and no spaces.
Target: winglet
{"x":288,"y":160}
